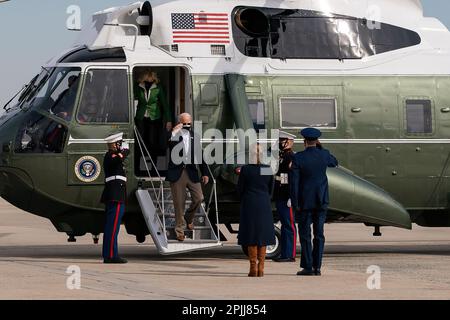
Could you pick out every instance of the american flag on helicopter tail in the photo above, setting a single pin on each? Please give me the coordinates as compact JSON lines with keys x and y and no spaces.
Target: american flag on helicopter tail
{"x":200,"y":28}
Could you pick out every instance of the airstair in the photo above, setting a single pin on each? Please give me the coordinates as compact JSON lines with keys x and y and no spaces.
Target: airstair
{"x":155,"y":200}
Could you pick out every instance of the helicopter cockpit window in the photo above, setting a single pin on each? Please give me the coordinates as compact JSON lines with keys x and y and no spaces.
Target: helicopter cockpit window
{"x":31,"y":89}
{"x":57,"y":94}
{"x":23,"y":93}
{"x":40,"y":134}
{"x":105,"y":97}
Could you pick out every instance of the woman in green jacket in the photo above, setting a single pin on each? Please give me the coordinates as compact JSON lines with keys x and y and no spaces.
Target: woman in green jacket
{"x":153,"y":116}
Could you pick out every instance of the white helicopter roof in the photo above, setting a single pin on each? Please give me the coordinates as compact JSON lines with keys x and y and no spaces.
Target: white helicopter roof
{"x":119,"y":27}
{"x":404,"y":13}
{"x":385,"y":9}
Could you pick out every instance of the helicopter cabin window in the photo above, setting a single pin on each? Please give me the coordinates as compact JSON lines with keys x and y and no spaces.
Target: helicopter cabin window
{"x":105,"y":97}
{"x":419,"y":117}
{"x":308,"y":112}
{"x":307,"y":34}
{"x":40,"y":134}
{"x":57,"y":93}
{"x":257,"y":112}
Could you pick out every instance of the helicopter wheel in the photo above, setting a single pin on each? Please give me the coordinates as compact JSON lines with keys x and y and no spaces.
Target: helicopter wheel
{"x":95,"y":238}
{"x":140,"y":238}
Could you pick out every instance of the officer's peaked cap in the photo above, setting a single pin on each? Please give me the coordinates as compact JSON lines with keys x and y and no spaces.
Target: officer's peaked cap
{"x":311,"y":133}
{"x":286,"y":135}
{"x":114,"y":138}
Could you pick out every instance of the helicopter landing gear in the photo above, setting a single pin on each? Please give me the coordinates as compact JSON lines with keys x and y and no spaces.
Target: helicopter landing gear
{"x":140,"y":238}
{"x":71,"y":238}
{"x":95,"y":238}
{"x":377,"y":232}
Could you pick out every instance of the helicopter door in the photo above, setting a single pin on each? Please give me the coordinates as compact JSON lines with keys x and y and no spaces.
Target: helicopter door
{"x":104,"y":109}
{"x":174,"y":96}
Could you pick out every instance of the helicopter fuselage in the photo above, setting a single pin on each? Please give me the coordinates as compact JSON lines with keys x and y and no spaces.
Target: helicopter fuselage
{"x":381,"y":103}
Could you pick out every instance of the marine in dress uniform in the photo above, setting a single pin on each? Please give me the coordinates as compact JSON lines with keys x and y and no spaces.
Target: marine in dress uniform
{"x":114,"y":196}
{"x":309,"y":194}
{"x":282,"y":196}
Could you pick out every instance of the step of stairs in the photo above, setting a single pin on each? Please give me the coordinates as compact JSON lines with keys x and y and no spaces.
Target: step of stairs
{"x":202,"y":237}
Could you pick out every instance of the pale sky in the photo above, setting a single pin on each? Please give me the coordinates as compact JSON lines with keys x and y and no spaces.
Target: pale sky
{"x":31,"y":32}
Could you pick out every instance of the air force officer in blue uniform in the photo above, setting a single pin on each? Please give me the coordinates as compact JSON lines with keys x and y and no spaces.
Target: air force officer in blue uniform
{"x":309,"y":197}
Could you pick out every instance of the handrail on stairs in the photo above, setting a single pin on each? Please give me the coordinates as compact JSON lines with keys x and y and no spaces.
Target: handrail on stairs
{"x":159,"y":200}
{"x":214,"y":193}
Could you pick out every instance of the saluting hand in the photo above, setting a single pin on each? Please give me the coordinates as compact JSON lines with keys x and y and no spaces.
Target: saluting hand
{"x":177,"y":128}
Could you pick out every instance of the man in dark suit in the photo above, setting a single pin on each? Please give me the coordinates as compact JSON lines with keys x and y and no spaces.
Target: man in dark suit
{"x":309,"y":197}
{"x":183,"y":173}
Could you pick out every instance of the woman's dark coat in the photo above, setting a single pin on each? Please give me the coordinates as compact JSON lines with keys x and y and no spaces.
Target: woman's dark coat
{"x":256,"y":218}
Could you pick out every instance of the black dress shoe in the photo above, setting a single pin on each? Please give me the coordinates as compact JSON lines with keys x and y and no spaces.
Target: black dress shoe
{"x":305,"y":272}
{"x":317,"y":273}
{"x":189,"y":226}
{"x":115,"y":260}
{"x":284,"y":259}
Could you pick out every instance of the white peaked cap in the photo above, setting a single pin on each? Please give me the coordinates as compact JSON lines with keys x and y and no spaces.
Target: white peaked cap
{"x":114,"y":138}
{"x":286,"y":135}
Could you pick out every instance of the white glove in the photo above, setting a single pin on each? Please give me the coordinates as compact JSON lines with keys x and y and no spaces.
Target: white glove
{"x":289,"y":203}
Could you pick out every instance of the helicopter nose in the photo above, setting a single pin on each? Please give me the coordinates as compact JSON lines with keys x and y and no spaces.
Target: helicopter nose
{"x":5,"y":165}
{"x":3,"y":162}
{"x":8,"y":129}
{"x":5,"y":149}
{"x":16,"y":186}
{"x":2,"y":152}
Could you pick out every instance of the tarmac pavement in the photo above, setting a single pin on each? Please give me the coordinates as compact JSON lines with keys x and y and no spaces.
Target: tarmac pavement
{"x":34,"y":260}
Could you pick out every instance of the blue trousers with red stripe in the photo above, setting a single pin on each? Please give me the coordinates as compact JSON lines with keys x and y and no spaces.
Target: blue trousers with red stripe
{"x":114,"y":215}
{"x":288,"y":230}
{"x":312,"y":252}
